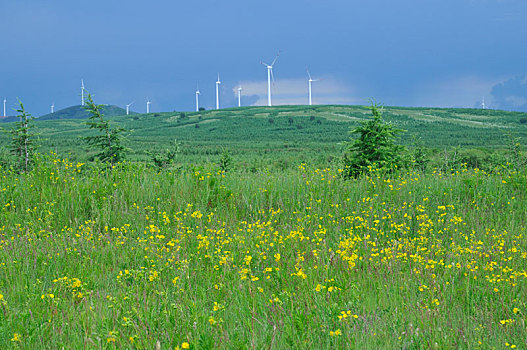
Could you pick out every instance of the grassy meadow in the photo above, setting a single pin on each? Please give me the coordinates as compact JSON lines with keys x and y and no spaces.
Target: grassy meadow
{"x":279,"y":251}
{"x":202,"y":259}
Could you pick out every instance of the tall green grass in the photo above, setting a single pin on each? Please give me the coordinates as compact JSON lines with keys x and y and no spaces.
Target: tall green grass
{"x":300,"y":258}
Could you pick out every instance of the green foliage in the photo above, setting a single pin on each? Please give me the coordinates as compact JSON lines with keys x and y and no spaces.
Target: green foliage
{"x":225,"y":161}
{"x":108,"y":142}
{"x":22,"y":139}
{"x":166,"y":158}
{"x":375,"y":147}
{"x":515,"y":156}
{"x":420,"y":158}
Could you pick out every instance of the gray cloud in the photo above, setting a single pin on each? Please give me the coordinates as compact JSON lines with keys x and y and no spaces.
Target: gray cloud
{"x":511,"y":94}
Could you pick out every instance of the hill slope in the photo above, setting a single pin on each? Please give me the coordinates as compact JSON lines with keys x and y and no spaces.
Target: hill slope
{"x":283,"y":133}
{"x":78,"y":112}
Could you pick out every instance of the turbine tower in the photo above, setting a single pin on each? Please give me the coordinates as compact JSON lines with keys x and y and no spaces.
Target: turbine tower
{"x":240,"y":96}
{"x":128,"y":108}
{"x":483,"y":106}
{"x":53,"y":107}
{"x":148,"y":102}
{"x":82,"y":92}
{"x":269,"y":76}
{"x":310,"y":81}
{"x":218,"y":92}
{"x":197,"y":98}
{"x":5,"y":100}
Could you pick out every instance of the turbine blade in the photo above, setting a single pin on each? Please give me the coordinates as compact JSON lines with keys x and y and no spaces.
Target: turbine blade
{"x":263,"y":63}
{"x":309,"y":75}
{"x":274,"y":61}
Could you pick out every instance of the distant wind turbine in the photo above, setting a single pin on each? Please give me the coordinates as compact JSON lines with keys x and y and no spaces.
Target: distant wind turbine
{"x":197,"y":98}
{"x":218,"y":92}
{"x":310,"y":81}
{"x":82,"y":92}
{"x":269,"y":76}
{"x":53,"y":107}
{"x":148,"y":102}
{"x":5,"y":100}
{"x":483,"y":106}
{"x":240,"y":96}
{"x":128,"y":108}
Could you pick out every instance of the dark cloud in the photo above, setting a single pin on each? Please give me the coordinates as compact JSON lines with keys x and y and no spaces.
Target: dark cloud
{"x":511,"y":94}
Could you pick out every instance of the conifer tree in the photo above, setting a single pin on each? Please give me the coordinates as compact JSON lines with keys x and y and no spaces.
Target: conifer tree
{"x":375,"y":146}
{"x":22,"y":146}
{"x":109,"y":140}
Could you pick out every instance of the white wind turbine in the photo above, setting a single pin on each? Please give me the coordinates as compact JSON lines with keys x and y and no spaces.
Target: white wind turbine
{"x":53,"y":107}
{"x":197,"y":98}
{"x":483,"y":105}
{"x":5,"y":100}
{"x":128,"y":108}
{"x":148,"y":102}
{"x":82,"y":92}
{"x":218,"y":92}
{"x":269,"y":76}
{"x":240,"y":96}
{"x":310,"y":81}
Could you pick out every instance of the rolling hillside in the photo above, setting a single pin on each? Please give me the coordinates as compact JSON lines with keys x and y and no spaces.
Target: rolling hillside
{"x":78,"y":112}
{"x":292,"y":133}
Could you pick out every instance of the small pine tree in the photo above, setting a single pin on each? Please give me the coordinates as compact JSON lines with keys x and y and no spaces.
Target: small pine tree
{"x":225,"y":161}
{"x":375,"y":146}
{"x":22,"y":146}
{"x":108,"y":142}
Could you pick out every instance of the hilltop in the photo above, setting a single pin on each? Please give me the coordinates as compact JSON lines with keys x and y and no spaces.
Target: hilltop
{"x":78,"y":112}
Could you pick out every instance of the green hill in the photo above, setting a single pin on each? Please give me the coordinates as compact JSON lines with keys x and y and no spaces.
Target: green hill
{"x":283,"y":134}
{"x":78,"y":112}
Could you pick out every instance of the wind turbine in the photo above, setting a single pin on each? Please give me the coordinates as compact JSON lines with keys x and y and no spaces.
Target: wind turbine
{"x":128,"y":108}
{"x":53,"y":107}
{"x":309,"y":86}
{"x":483,"y":106}
{"x":148,"y":102}
{"x":197,"y":98}
{"x":240,"y":96}
{"x":82,"y":92}
{"x":269,"y":76}
{"x":218,"y":92}
{"x":5,"y":100}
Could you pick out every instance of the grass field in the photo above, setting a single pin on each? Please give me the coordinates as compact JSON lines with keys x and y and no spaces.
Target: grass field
{"x":280,"y":251}
{"x":296,"y":259}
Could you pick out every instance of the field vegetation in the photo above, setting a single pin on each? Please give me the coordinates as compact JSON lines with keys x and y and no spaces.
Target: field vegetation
{"x":211,"y":250}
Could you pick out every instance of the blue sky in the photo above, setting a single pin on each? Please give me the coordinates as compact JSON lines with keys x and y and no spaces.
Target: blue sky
{"x":446,"y":53}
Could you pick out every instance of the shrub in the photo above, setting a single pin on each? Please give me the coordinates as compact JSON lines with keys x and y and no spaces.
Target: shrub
{"x":225,"y":161}
{"x":375,"y":147}
{"x":167,"y":157}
